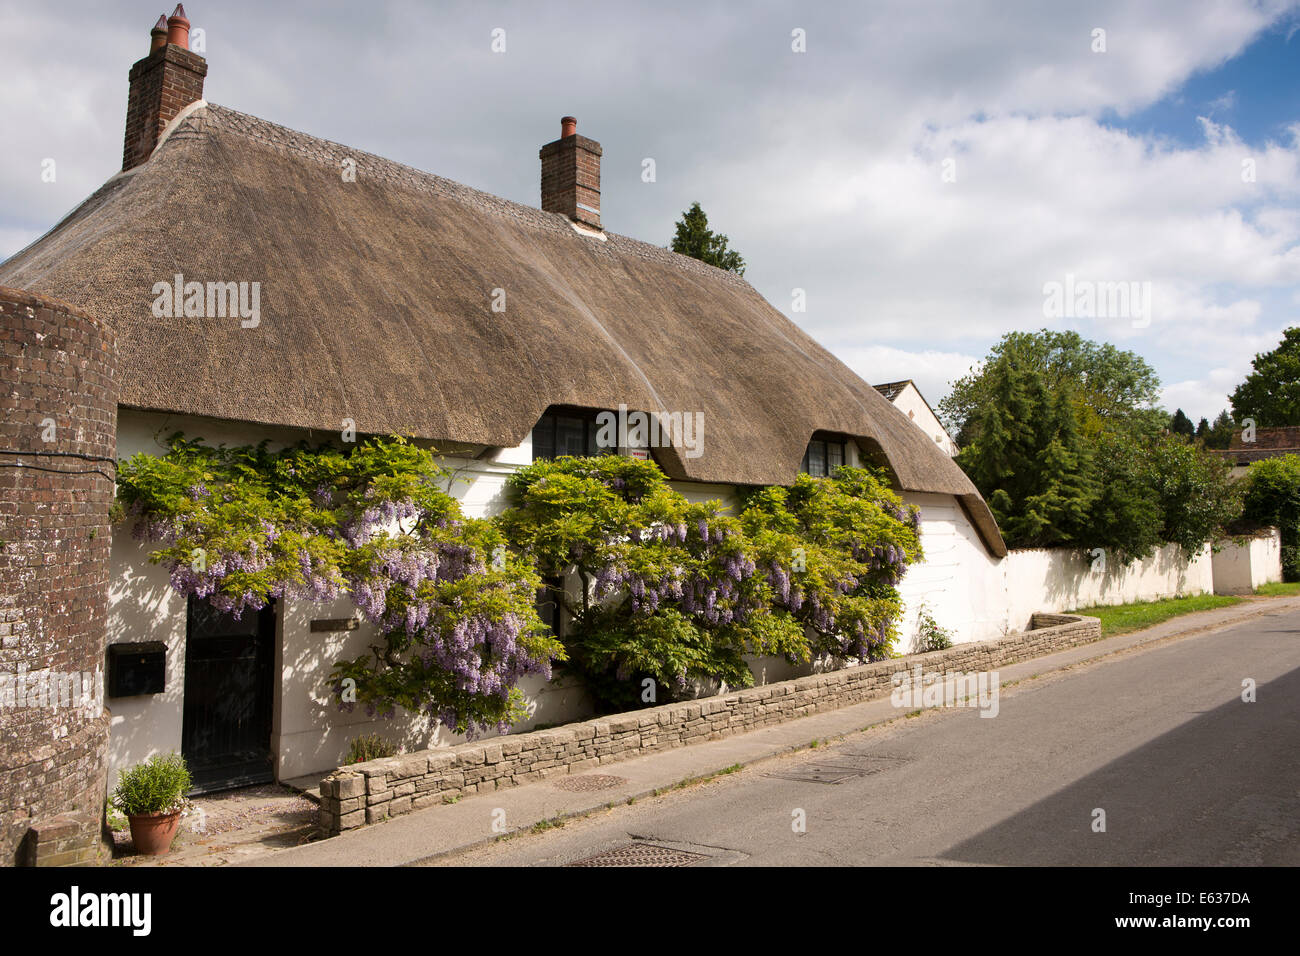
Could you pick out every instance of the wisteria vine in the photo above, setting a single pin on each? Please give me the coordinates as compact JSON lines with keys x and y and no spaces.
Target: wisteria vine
{"x":678,"y":591}
{"x":668,"y":589}
{"x":453,"y":606}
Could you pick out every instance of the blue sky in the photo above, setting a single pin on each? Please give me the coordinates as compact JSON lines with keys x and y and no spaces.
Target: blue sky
{"x":827,"y":168}
{"x":1257,"y":92}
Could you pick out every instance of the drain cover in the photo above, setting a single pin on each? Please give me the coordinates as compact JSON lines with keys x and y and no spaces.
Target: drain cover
{"x":641,"y":854}
{"x":588,"y":781}
{"x":867,"y":763}
{"x":819,"y":774}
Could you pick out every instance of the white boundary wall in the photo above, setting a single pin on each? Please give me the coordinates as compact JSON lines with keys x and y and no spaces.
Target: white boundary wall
{"x":1239,"y":568}
{"x":979,"y":598}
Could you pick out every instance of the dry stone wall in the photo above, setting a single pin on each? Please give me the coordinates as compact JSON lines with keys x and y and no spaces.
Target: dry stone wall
{"x":377,"y":789}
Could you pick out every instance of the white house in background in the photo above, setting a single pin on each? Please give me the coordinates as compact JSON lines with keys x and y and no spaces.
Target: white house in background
{"x":907,"y":398}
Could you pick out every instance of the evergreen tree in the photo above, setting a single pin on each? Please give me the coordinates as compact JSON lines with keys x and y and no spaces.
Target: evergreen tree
{"x":1202,"y":429}
{"x":1180,"y":424}
{"x":1220,"y":434}
{"x":695,"y":239}
{"x":1028,"y":458}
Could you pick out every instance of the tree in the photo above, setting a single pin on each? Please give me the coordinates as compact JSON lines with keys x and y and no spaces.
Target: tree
{"x":1067,"y":446}
{"x":1109,"y":386}
{"x":1220,"y":434}
{"x":1180,"y":424}
{"x":695,"y":239}
{"x":1272,"y":497}
{"x":1271,"y":393}
{"x":1027,"y":456}
{"x":1202,"y":429}
{"x":1195,"y":493}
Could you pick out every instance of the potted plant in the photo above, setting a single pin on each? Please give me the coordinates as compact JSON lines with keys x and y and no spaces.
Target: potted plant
{"x":152,"y":795}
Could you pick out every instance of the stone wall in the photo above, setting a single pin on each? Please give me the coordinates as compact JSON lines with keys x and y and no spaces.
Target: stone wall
{"x":57,"y":447}
{"x":373,"y":791}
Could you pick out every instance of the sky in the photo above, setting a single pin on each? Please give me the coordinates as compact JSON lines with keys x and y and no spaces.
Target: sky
{"x":926,"y":174}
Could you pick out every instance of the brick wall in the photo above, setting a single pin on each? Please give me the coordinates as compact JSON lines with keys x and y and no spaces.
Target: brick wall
{"x":56,"y":364}
{"x":373,"y":791}
{"x":571,"y":178}
{"x":162,"y":84}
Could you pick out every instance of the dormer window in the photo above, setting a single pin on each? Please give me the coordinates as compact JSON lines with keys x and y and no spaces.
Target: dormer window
{"x":825,"y":453}
{"x":567,"y":431}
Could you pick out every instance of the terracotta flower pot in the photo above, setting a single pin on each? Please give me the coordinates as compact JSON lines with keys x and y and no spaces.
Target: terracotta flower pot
{"x":152,"y":833}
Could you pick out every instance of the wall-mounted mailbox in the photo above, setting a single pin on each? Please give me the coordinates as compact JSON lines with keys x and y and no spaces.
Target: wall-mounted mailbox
{"x":135,"y":669}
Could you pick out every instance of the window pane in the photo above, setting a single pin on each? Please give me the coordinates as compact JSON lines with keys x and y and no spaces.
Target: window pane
{"x":817,"y":459}
{"x":834,"y":456}
{"x":544,"y":439}
{"x":570,"y":436}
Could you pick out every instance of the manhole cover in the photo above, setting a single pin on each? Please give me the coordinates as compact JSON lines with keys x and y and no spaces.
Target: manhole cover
{"x":589,"y":781}
{"x":818,"y":774}
{"x":865,"y":763}
{"x":641,"y":854}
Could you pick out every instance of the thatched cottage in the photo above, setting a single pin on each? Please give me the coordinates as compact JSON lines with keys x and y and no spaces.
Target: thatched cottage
{"x":354,"y":291}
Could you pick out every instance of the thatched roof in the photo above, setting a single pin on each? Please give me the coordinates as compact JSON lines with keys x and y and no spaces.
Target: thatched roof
{"x":376,"y":306}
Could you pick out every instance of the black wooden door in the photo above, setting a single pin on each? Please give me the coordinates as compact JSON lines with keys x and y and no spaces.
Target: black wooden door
{"x":229,"y":692}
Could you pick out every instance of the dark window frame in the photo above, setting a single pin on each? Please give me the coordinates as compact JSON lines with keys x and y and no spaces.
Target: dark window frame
{"x":548,"y":430}
{"x":828,"y":448}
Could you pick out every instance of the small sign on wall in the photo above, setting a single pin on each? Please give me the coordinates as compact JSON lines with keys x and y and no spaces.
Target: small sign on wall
{"x":335,"y":624}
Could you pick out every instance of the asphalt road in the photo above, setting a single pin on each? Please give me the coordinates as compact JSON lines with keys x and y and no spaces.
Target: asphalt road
{"x":1186,"y":772}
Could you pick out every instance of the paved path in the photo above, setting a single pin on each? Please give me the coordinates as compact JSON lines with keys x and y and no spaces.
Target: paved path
{"x":1149,"y":727}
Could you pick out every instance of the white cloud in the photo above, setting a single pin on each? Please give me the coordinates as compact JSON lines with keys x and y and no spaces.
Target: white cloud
{"x":824,"y":168}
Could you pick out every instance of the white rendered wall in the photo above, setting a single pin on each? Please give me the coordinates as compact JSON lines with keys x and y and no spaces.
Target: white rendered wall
{"x":309,"y":732}
{"x":911,"y":403}
{"x":1241,"y":568}
{"x":978,"y":598}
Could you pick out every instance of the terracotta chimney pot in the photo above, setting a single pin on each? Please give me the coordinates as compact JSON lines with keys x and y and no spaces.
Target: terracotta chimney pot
{"x":158,"y":35}
{"x":178,"y":28}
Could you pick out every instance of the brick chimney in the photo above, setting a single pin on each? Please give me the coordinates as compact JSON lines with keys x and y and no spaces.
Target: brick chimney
{"x":166,"y":81}
{"x":571,"y":175}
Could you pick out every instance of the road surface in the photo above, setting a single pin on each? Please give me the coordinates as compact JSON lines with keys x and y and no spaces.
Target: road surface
{"x":1160,"y":740}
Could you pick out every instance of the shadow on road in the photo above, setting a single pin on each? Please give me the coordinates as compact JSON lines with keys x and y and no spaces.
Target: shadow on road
{"x":1222,"y":789}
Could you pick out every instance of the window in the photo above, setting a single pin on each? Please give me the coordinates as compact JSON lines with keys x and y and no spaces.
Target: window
{"x":823,"y":456}
{"x":566,"y":432}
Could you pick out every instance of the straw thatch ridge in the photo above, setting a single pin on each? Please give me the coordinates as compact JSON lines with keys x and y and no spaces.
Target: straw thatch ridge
{"x":376,"y":306}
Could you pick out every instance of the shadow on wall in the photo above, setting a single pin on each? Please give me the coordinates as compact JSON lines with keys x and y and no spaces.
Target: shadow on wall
{"x":312,"y":733}
{"x":313,"y":730}
{"x":143,"y":607}
{"x":1068,"y":579}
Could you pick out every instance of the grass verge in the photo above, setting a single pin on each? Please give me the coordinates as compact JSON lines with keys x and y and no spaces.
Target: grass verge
{"x":1280,"y":589}
{"x":1122,"y":618}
